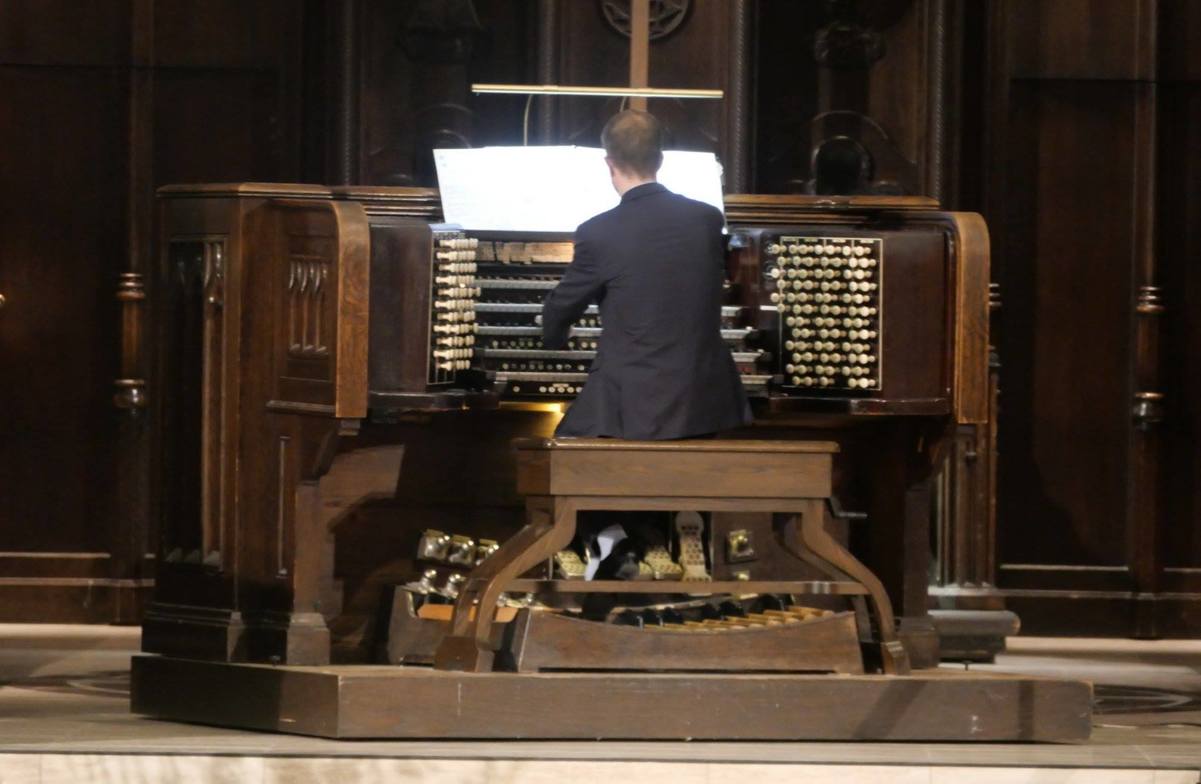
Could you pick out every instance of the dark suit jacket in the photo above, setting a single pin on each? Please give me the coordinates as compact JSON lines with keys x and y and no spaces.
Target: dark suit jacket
{"x":654,"y":263}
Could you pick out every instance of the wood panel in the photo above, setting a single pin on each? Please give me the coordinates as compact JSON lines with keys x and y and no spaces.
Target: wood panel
{"x":1066,"y":449}
{"x":1179,"y":31}
{"x":1081,"y":39}
{"x":1092,"y":199}
{"x":872,"y":73}
{"x":63,"y":245}
{"x":104,"y":100}
{"x":65,"y":32}
{"x":1179,"y":247}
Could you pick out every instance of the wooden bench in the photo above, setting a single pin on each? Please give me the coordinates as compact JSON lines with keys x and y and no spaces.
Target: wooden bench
{"x":561,"y":477}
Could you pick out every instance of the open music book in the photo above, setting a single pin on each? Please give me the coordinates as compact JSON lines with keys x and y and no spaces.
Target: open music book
{"x":551,"y":188}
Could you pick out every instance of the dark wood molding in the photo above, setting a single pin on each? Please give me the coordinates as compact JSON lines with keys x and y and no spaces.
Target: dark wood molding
{"x":346,"y":122}
{"x":739,"y":107}
{"x":937,"y":46}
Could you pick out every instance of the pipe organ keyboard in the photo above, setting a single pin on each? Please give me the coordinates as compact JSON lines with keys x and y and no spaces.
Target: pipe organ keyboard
{"x":485,"y":296}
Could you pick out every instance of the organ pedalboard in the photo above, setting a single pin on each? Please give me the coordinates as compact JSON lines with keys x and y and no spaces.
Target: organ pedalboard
{"x":486,"y":296}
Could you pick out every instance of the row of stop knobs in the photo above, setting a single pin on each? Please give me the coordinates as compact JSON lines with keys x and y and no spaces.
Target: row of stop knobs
{"x":802,"y":248}
{"x":547,"y":389}
{"x":454,"y":306}
{"x":829,"y":381}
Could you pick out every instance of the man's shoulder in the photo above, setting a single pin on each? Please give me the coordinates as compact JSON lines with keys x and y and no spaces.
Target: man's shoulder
{"x":705,"y":209}
{"x":595,"y":224}
{"x":701,"y":211}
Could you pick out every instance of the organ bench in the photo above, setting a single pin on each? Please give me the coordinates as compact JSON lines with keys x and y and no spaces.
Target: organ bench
{"x":561,"y":477}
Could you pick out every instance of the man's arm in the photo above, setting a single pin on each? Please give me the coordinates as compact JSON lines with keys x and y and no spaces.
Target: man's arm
{"x":580,"y":285}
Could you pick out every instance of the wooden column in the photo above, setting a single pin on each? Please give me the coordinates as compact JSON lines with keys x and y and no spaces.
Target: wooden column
{"x":1147,"y":409}
{"x":131,"y":517}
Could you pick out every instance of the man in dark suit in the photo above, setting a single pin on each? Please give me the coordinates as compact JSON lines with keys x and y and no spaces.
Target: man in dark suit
{"x":654,"y":264}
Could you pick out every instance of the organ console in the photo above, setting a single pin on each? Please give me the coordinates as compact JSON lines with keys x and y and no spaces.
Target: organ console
{"x":331,"y":352}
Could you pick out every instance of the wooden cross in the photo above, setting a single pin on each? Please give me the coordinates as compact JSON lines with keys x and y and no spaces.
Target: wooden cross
{"x":640,"y":49}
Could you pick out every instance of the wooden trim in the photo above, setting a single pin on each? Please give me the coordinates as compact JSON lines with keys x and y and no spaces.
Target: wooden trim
{"x":783,"y":208}
{"x":1077,"y":613}
{"x":293,"y":407}
{"x":716,"y":445}
{"x":970,"y":367}
{"x":739,"y":114}
{"x":73,"y":600}
{"x":244,"y":190}
{"x":815,"y":587}
{"x":354,"y":291}
{"x":688,"y":504}
{"x":378,"y":702}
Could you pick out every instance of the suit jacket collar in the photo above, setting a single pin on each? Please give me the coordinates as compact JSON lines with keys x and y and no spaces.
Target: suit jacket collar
{"x":646,"y":189}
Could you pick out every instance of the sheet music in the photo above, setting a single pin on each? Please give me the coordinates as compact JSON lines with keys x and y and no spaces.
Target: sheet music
{"x":551,"y":188}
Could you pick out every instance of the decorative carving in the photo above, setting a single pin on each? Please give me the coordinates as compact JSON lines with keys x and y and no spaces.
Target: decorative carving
{"x":994,"y":297}
{"x":851,"y":153}
{"x":847,"y":47}
{"x":665,"y":18}
{"x":440,"y":31}
{"x":307,"y":276}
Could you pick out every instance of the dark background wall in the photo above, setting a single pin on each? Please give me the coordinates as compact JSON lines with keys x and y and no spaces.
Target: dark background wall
{"x":1073,"y":125}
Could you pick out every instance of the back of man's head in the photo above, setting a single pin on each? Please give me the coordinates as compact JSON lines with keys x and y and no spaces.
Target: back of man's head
{"x":633,"y":141}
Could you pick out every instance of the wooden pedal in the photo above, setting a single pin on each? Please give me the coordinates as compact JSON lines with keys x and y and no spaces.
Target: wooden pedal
{"x":555,"y":641}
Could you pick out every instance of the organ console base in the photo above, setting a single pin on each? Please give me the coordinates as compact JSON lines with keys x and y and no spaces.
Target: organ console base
{"x":389,"y":702}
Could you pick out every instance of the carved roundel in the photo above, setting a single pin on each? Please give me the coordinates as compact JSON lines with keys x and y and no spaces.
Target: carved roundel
{"x":666,"y":16}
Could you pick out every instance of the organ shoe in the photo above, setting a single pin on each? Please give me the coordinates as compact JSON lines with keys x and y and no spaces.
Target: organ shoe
{"x":661,"y":564}
{"x":690,"y":528}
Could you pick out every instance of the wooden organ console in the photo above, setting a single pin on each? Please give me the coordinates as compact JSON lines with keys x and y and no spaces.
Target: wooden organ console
{"x":307,"y":329}
{"x":339,"y":368}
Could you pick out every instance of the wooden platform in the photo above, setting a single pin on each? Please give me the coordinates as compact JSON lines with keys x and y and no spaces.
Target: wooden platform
{"x":416,"y":702}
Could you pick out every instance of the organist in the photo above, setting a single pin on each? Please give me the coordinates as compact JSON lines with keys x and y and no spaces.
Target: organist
{"x":654,"y":264}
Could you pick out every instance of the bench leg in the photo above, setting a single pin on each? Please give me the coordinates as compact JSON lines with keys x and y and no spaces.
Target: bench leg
{"x":817,"y":540}
{"x":550,"y":528}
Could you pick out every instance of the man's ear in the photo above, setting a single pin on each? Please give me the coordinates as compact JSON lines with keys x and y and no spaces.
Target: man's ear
{"x":612,"y":168}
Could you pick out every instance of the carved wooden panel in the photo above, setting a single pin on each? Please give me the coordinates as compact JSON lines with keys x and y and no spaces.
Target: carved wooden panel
{"x":313,"y":259}
{"x":308,"y":292}
{"x":417,"y":62}
{"x":193,"y":375}
{"x":853,"y":86}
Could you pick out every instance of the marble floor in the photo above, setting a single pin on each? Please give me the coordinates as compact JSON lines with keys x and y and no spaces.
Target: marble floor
{"x":64,"y":717}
